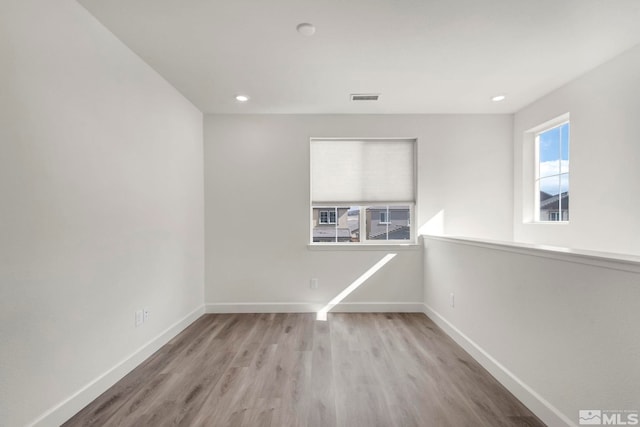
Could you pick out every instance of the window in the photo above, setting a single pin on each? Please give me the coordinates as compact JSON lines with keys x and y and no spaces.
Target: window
{"x":362,"y":191}
{"x":328,"y":217}
{"x":391,"y":223}
{"x":336,"y":224}
{"x":552,"y":174}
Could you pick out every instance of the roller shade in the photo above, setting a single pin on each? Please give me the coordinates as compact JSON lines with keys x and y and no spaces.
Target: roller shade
{"x":362,"y":171}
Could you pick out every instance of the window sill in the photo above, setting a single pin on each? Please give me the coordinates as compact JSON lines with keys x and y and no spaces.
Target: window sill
{"x":364,"y":247}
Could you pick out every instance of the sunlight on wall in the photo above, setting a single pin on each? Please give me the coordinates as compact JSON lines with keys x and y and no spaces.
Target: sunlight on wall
{"x":435,"y":226}
{"x":322,"y":314}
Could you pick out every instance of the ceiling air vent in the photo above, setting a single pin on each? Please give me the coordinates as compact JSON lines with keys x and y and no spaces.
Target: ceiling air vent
{"x":365,"y":96}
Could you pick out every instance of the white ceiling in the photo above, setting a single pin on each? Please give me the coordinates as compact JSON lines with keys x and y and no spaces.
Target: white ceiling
{"x":422,"y":56}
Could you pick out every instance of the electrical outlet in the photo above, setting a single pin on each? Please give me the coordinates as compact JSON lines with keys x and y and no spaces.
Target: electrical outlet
{"x":313,"y":284}
{"x":452,"y":298}
{"x":139,"y":318}
{"x":146,"y":313}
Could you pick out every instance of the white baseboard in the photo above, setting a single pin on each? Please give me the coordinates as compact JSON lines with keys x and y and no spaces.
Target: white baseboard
{"x":302,"y":307}
{"x":262,"y":307}
{"x":64,"y":410}
{"x":378,"y":307}
{"x":549,"y":414}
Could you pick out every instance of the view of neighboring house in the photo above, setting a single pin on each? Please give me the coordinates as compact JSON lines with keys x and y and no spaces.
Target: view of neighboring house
{"x":342,"y":224}
{"x":330,"y":225}
{"x":388,"y":223}
{"x":554,"y":208}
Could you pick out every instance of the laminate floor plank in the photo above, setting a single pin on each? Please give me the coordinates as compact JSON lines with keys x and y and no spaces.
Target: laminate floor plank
{"x":290,"y":370}
{"x":453,"y":389}
{"x":488,"y":401}
{"x":322,"y":405}
{"x":107,"y":404}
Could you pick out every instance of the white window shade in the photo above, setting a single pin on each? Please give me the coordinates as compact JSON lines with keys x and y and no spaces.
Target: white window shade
{"x":362,"y":171}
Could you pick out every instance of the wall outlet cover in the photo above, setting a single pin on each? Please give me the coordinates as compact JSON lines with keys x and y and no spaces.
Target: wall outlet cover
{"x":139,"y":318}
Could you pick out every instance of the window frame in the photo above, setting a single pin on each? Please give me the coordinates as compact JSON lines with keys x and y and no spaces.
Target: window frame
{"x":549,"y":126}
{"x":362,"y":226}
{"x":328,"y":212}
{"x":363,"y":205}
{"x":529,"y":161}
{"x":386,"y":215}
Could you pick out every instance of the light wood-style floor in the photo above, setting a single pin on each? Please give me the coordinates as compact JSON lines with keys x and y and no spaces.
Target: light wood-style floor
{"x":290,"y":370}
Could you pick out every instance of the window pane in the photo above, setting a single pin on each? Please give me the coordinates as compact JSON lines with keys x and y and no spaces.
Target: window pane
{"x":353,"y":223}
{"x":550,"y":144}
{"x":549,"y":186}
{"x":333,"y":224}
{"x":396,"y":227}
{"x":549,"y":198}
{"x":549,"y":152}
{"x":564,"y":200}
{"x":564,"y":183}
{"x":384,"y":218}
{"x":564,"y":148}
{"x":552,"y":148}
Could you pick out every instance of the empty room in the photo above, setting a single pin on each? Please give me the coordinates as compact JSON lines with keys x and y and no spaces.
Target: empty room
{"x":283,"y":213}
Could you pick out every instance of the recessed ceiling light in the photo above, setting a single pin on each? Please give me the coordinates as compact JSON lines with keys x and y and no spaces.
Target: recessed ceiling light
{"x":242,"y":98}
{"x":499,"y":98}
{"x":306,"y":29}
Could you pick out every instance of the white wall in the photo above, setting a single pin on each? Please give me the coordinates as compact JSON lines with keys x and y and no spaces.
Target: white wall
{"x":101,"y":206}
{"x":604,"y":106}
{"x":565,"y":326}
{"x":257,"y":202}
